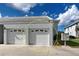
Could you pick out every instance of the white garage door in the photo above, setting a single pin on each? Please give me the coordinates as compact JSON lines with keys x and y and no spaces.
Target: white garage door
{"x":16,"y":36}
{"x":39,"y":37}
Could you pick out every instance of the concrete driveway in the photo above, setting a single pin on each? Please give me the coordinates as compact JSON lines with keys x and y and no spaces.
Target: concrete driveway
{"x":20,"y":50}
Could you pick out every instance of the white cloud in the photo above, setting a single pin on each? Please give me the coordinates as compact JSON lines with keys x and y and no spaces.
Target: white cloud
{"x":26,"y":15}
{"x":66,"y":8}
{"x":23,"y":6}
{"x":44,"y":13}
{"x":51,"y":15}
{"x":6,"y":16}
{"x":0,"y":15}
{"x":55,"y":15}
{"x":69,"y":15}
{"x":32,"y":12}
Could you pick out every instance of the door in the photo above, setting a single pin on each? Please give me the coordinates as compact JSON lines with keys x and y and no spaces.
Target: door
{"x":42,"y":39}
{"x":16,"y":36}
{"x":39,"y":37}
{"x":1,"y":34}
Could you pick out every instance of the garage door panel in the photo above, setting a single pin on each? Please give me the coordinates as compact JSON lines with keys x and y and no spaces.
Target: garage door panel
{"x":39,"y":37}
{"x":42,"y":39}
{"x":16,"y":37}
{"x":32,"y":40}
{"x":20,"y":39}
{"x":10,"y":39}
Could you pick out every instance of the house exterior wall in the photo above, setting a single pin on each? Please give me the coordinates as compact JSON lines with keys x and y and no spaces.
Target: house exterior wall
{"x":71,"y":30}
{"x":77,"y":30}
{"x":5,"y":36}
{"x":66,"y":30}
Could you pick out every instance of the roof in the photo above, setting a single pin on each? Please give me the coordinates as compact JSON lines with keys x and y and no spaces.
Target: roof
{"x":72,"y":23}
{"x":30,"y":19}
{"x":24,"y":18}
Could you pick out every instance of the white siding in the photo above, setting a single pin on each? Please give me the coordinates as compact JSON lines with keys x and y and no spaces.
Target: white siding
{"x":66,"y":30}
{"x":71,"y":30}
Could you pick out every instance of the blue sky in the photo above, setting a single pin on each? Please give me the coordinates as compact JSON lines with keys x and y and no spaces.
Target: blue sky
{"x":65,"y":12}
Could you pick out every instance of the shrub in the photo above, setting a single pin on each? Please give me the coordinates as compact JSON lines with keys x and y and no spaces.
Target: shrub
{"x":72,"y":37}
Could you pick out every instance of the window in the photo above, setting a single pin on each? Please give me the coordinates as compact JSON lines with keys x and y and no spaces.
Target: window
{"x":19,"y":30}
{"x":36,"y":30}
{"x":15,"y":30}
{"x":41,"y":30}
{"x":22,"y":30}
{"x":45,"y":30}
{"x":11,"y":31}
{"x":32,"y":30}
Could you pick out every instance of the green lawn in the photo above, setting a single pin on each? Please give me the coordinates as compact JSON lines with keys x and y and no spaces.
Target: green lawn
{"x":73,"y":42}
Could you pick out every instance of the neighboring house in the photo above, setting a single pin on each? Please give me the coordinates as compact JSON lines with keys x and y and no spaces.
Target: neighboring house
{"x":33,"y":30}
{"x":72,"y":29}
{"x":64,"y":36}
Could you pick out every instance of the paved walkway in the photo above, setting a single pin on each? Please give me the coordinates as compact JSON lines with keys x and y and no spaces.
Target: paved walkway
{"x":16,"y":50}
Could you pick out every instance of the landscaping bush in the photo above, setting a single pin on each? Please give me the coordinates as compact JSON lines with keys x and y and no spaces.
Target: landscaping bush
{"x":72,"y":37}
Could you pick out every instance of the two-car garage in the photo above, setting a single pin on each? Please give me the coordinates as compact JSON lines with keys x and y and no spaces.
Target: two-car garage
{"x":36,"y":36}
{"x":36,"y":30}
